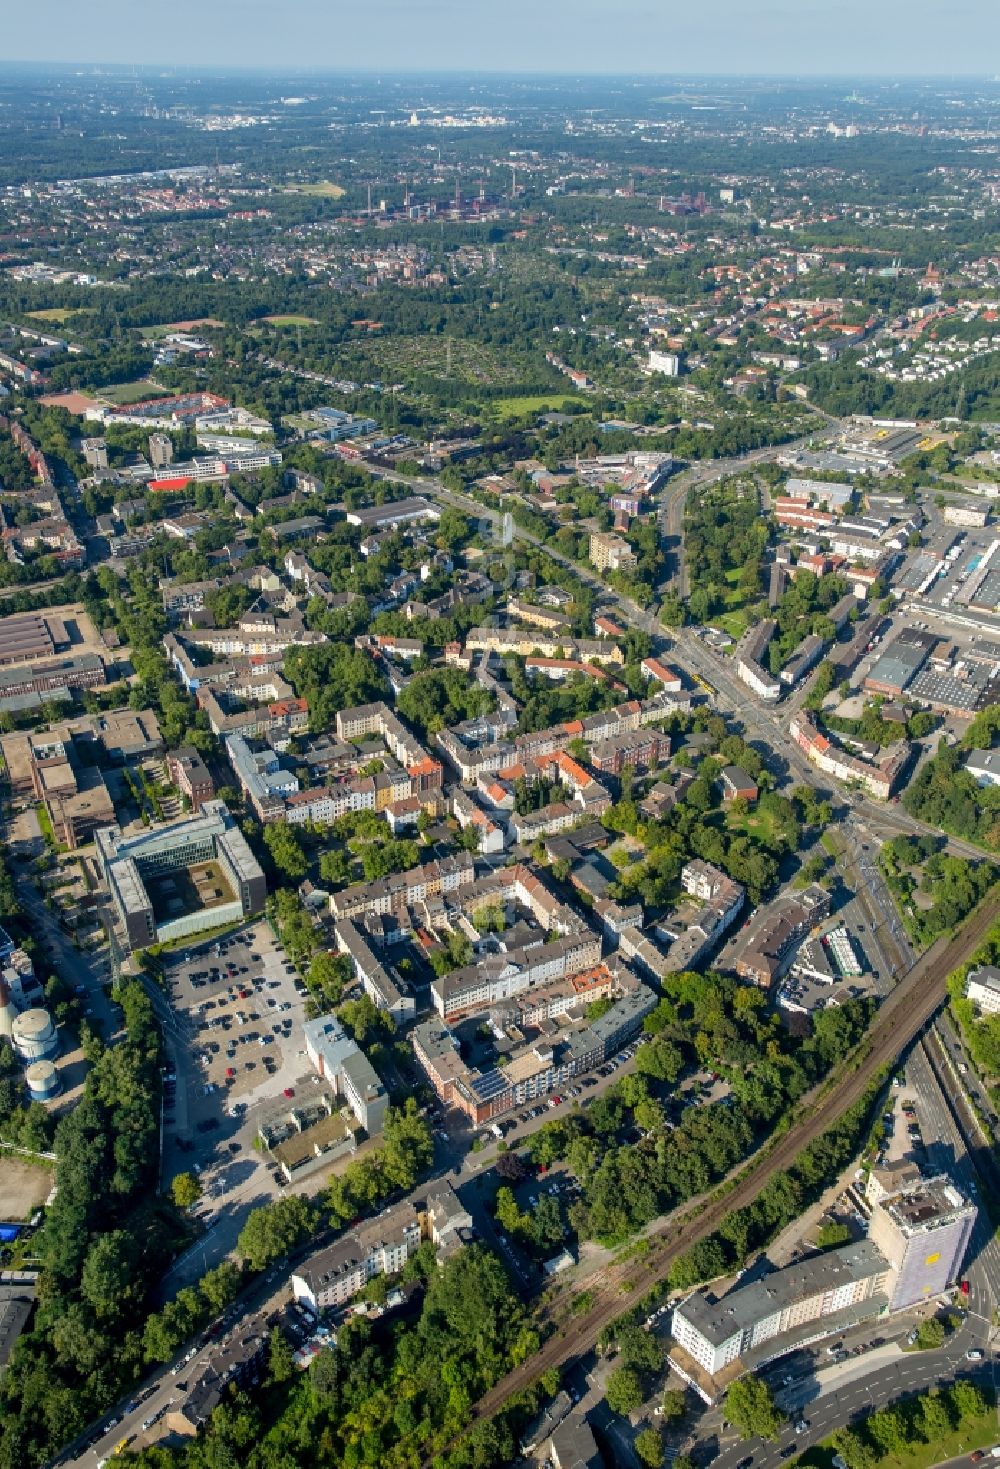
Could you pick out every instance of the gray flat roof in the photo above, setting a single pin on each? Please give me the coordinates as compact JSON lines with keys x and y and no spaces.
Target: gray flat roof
{"x":899,"y":663}
{"x":719,"y":1320}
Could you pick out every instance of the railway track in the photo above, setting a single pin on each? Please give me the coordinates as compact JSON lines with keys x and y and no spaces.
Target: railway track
{"x":900,"y":1019}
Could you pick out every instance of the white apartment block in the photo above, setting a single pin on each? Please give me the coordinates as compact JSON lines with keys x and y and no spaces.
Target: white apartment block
{"x":715,"y":1333}
{"x":983,"y":988}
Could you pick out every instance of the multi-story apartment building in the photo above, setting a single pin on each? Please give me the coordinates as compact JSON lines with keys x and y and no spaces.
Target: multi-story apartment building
{"x":544,"y":617}
{"x":189,"y":773}
{"x":609,"y":552}
{"x":391,"y":894}
{"x":378,"y":984}
{"x":641,"y":749}
{"x":500,"y":977}
{"x":878,"y":777}
{"x":750,"y":650}
{"x":180,"y":597}
{"x":802,"y":1303}
{"x":426,"y":772}
{"x":982,"y":987}
{"x":775,"y":932}
{"x":337,"y":1274}
{"x":540,"y":1065}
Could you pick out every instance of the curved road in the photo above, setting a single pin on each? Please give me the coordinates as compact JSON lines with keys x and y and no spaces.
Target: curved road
{"x":835,"y":1397}
{"x":900,"y":1019}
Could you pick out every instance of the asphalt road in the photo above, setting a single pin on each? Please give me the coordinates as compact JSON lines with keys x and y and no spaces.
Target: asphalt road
{"x":833,"y":1397}
{"x":901,"y":1017}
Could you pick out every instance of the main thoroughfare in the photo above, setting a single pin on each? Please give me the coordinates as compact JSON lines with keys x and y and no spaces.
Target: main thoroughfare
{"x":694,"y":657}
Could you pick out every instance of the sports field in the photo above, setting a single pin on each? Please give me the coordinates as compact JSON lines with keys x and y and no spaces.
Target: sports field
{"x":23,"y":1186}
{"x":122,"y":393}
{"x":164,"y":329}
{"x":59,"y":314}
{"x":291,"y":320}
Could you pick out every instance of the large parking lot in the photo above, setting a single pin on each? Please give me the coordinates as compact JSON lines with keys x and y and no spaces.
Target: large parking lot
{"x":235,"y":1031}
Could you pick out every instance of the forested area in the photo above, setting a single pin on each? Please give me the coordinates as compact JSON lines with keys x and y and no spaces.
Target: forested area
{"x":391,"y":1392}
{"x":946,"y":796}
{"x":845,"y":387}
{"x":102,"y":1246}
{"x":934,"y":891}
{"x":725,"y":537}
{"x":440,"y":698}
{"x":643,"y":1148}
{"x":331,"y":677}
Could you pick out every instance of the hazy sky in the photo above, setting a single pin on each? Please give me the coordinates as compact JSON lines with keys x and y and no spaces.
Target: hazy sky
{"x":883,"y":37}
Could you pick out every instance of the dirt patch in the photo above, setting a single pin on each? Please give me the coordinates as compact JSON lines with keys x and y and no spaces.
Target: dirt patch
{"x":189,"y":326}
{"x":23,"y":1186}
{"x":73,"y":402}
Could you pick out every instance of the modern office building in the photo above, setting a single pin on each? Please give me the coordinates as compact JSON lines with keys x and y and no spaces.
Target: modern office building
{"x":923,"y":1231}
{"x":175,"y":880}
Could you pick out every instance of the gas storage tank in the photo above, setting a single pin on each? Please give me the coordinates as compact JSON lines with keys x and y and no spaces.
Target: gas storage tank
{"x":43,"y":1081}
{"x":34,"y":1036}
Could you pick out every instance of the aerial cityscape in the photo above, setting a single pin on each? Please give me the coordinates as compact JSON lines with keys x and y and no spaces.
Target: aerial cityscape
{"x":499,"y":768}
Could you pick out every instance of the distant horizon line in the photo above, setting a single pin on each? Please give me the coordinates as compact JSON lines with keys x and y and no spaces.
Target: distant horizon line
{"x":164,"y":70}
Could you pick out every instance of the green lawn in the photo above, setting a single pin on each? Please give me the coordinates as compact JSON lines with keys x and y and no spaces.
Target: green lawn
{"x":735,"y":619}
{"x":759,"y":825}
{"x":132,"y":392}
{"x":974,"y":1435}
{"x":45,"y":826}
{"x":734,"y":623}
{"x":540,"y":403}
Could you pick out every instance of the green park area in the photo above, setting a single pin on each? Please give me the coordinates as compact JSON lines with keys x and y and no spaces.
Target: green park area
{"x":735,"y":619}
{"x":538,"y":403}
{"x":761,"y":823}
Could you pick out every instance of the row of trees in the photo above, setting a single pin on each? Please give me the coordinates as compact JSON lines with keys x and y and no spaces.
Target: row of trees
{"x":102,"y":1248}
{"x":981,"y":1032}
